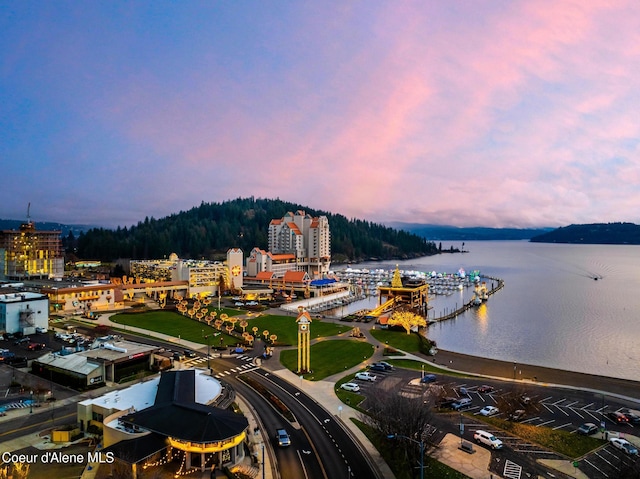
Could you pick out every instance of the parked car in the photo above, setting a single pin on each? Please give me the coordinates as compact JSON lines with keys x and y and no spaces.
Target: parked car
{"x":23,"y":340}
{"x":461,"y":403}
{"x":366,"y":376}
{"x":617,"y":417}
{"x":463,"y":391}
{"x":624,"y":445}
{"x":36,"y":346}
{"x":487,"y":439}
{"x":447,"y":402}
{"x":517,"y":415}
{"x":386,"y":365}
{"x":350,"y":387}
{"x":489,"y":411}
{"x":282,"y":437}
{"x":587,"y":429}
{"x":485,"y":389}
{"x":428,"y":378}
{"x":41,"y":330}
{"x":377,"y":367}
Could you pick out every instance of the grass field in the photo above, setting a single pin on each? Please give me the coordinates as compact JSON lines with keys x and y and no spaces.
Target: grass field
{"x":329,"y":357}
{"x":176,"y":325}
{"x":563,"y":442}
{"x":286,"y":328}
{"x":409,"y":343}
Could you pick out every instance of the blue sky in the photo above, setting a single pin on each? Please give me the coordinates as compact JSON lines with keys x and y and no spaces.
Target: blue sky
{"x":504,"y":114}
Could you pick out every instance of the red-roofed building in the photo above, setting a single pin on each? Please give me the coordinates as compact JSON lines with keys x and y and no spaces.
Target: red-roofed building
{"x":297,"y":242}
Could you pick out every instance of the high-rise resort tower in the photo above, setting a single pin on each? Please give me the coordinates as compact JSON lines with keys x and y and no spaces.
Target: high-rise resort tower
{"x":30,"y":254}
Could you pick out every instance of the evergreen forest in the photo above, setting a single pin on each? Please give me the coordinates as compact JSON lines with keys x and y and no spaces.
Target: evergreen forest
{"x":209,"y":230}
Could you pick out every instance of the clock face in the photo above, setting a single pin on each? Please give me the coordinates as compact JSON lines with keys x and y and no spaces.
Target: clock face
{"x":303,"y":327}
{"x":235,"y":270}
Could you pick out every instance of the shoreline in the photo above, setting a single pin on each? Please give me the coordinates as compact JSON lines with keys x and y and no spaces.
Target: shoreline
{"x":530,"y":374}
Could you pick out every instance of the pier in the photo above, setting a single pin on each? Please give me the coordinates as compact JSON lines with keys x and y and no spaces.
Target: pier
{"x":497,"y":285}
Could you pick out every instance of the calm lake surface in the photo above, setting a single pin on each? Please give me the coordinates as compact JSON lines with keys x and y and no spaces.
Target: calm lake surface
{"x":551,"y":311}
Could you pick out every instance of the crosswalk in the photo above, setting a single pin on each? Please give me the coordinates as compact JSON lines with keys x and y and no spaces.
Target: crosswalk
{"x":245,"y":367}
{"x":19,"y":404}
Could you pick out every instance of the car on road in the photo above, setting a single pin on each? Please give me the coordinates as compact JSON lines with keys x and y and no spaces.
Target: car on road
{"x":461,"y":403}
{"x":36,"y":346}
{"x":377,"y":367}
{"x":41,"y":330}
{"x":617,"y":417}
{"x":366,"y":376}
{"x":190,"y":354}
{"x":350,"y":387}
{"x":488,"y":439}
{"x":633,"y":418}
{"x":587,"y":429}
{"x":282,"y":437}
{"x":485,"y":389}
{"x":489,"y":411}
{"x":428,"y":378}
{"x":177,"y":356}
{"x":624,"y":445}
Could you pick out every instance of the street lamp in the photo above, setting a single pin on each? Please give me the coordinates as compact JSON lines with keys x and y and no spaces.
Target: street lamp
{"x":394,"y":436}
{"x":208,"y":350}
{"x":31,"y":402}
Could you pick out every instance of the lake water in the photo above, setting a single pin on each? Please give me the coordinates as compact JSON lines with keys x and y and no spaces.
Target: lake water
{"x":551,"y":311}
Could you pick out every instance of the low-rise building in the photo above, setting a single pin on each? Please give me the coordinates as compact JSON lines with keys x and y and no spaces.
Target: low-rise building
{"x":22,"y":311}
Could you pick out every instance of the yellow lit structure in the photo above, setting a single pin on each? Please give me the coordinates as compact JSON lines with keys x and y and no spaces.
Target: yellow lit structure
{"x":304,"y":337}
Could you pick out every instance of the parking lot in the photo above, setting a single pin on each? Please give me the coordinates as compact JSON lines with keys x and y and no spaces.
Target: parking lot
{"x":554,"y":408}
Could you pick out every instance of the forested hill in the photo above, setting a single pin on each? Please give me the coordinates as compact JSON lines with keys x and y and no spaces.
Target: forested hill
{"x":597,"y":233}
{"x":209,"y":230}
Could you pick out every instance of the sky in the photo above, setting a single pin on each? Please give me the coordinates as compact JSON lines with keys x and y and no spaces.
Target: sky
{"x":467,"y":113}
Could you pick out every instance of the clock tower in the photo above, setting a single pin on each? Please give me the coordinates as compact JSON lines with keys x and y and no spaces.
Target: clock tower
{"x":304,"y":336}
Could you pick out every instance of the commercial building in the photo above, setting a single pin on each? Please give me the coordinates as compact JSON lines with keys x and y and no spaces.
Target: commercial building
{"x":169,"y":418}
{"x":203,"y":277}
{"x":27,"y":254}
{"x":22,"y":311}
{"x":297,"y":242}
{"x":109,"y":359}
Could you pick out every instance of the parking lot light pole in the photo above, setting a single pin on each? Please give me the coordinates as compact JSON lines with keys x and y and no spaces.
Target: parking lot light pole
{"x":31,"y":402}
{"x":394,"y":436}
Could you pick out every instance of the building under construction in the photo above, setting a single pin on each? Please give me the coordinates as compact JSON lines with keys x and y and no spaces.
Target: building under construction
{"x":30,"y":254}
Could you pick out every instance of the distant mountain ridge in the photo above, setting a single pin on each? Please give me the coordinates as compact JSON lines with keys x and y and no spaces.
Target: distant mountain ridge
{"x":454,"y":233}
{"x":595,"y":233}
{"x":46,"y":226}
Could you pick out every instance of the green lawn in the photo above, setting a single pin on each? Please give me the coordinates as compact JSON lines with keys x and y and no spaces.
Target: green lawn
{"x":286,"y":328}
{"x":330,"y":357}
{"x":409,"y":343}
{"x":176,"y":325}
{"x":419,"y":365}
{"x":563,"y":442}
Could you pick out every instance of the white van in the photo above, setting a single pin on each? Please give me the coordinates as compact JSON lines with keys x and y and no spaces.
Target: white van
{"x":487,"y":439}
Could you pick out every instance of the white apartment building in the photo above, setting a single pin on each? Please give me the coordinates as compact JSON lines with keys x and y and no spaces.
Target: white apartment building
{"x":299,"y":242}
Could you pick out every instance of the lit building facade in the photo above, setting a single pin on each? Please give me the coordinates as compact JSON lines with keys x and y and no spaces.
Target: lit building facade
{"x":30,"y":254}
{"x":297,"y":242}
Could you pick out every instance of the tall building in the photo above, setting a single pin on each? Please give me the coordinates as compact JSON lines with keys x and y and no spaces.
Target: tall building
{"x":298,"y":242}
{"x":30,"y":254}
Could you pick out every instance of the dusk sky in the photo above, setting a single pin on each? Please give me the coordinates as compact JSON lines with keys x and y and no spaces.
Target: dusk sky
{"x":467,"y":113}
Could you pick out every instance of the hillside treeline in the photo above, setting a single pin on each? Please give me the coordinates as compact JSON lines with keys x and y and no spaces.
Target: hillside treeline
{"x":209,"y":230}
{"x":596,"y":233}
